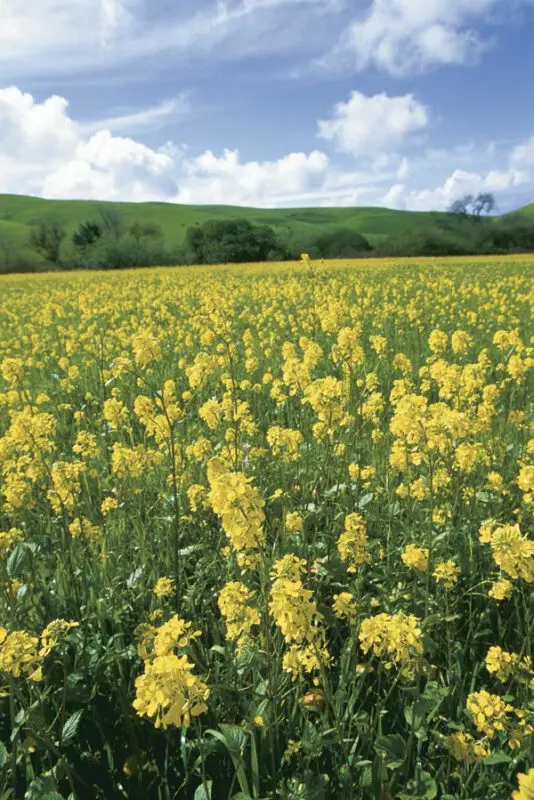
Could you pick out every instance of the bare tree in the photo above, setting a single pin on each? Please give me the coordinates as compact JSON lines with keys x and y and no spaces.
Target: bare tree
{"x":483,"y":203}
{"x":473,"y":207}
{"x":462,"y":205}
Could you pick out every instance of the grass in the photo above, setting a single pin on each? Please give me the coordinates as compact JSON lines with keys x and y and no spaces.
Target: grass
{"x":264,"y":531}
{"x":18,"y":213}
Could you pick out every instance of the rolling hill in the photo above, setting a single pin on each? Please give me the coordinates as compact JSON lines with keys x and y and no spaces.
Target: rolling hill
{"x":18,"y":213}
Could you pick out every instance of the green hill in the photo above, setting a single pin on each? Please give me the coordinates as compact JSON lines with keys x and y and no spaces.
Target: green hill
{"x":18,"y":213}
{"x":526,"y":211}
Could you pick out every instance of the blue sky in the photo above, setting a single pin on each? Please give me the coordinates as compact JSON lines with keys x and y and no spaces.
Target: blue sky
{"x":404,"y":103}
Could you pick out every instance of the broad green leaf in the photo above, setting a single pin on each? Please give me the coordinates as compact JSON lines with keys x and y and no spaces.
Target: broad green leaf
{"x":70,"y":728}
{"x":203,"y":792}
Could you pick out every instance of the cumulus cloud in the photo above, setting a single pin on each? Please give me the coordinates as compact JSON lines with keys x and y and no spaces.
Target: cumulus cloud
{"x":523,"y":154}
{"x":503,"y":183}
{"x":402,"y":36}
{"x":226,"y":179}
{"x":370,"y":125}
{"x":44,"y":151}
{"x":395,"y":197}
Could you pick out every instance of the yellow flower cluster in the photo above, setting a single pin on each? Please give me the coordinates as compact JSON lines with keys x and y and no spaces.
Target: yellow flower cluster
{"x":284,"y":443}
{"x":447,"y":573}
{"x":507,"y":666}
{"x":464,"y":748}
{"x":164,"y":587}
{"x":168,"y":692}
{"x":511,"y":550}
{"x":8,"y":539}
{"x":345,"y":606}
{"x":416,"y":557}
{"x":492,"y":715}
{"x":22,"y":654}
{"x":526,"y":786}
{"x":352,"y":542}
{"x":294,"y":522}
{"x":295,"y":613}
{"x":395,"y":636}
{"x":239,"y":617}
{"x":159,"y":416}
{"x":240,"y":507}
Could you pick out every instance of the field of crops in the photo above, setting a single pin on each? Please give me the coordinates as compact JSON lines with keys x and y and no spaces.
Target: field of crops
{"x":264,"y":532}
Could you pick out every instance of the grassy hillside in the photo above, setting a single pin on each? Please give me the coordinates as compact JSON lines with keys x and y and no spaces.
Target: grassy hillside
{"x":526,"y":211}
{"x":18,"y":213}
{"x":21,"y":212}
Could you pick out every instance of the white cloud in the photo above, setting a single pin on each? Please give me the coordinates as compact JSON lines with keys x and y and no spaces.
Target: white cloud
{"x":523,"y":154}
{"x":369,"y":125}
{"x":44,"y":151}
{"x":395,"y":197}
{"x":226,"y":179}
{"x":58,"y":31}
{"x":462,"y":182}
{"x":403,"y":172}
{"x":144,"y":119}
{"x":47,"y":38}
{"x":402,"y":36}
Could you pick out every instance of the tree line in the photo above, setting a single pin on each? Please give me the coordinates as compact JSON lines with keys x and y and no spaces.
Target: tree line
{"x":108,"y":242}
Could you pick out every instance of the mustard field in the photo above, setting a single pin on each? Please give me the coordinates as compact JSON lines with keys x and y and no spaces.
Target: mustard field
{"x":266,"y":532}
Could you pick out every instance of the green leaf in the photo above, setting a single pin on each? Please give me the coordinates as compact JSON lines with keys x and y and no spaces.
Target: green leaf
{"x":365,"y":500}
{"x":424,"y":788}
{"x":497,"y":758}
{"x":70,"y":728}
{"x":3,"y":755}
{"x":43,"y":788}
{"x":367,"y":778}
{"x":235,"y":738}
{"x":203,"y":792}
{"x":426,"y":706}
{"x":254,"y":766}
{"x":394,"y":747}
{"x":429,"y":786}
{"x":312,"y":740}
{"x":16,"y":560}
{"x":233,"y":746}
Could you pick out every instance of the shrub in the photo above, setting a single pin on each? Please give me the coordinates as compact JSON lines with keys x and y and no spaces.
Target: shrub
{"x":232,"y":241}
{"x":342,"y":243}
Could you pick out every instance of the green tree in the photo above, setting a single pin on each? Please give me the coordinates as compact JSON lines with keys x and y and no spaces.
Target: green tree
{"x":46,"y":237}
{"x":342,"y":243}
{"x":145,"y":230}
{"x":510,"y":234}
{"x":232,"y":241}
{"x":87,"y":234}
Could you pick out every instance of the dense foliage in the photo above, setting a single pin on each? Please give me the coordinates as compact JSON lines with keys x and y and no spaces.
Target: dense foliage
{"x":342,"y":243}
{"x":231,"y":241}
{"x":264,"y":532}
